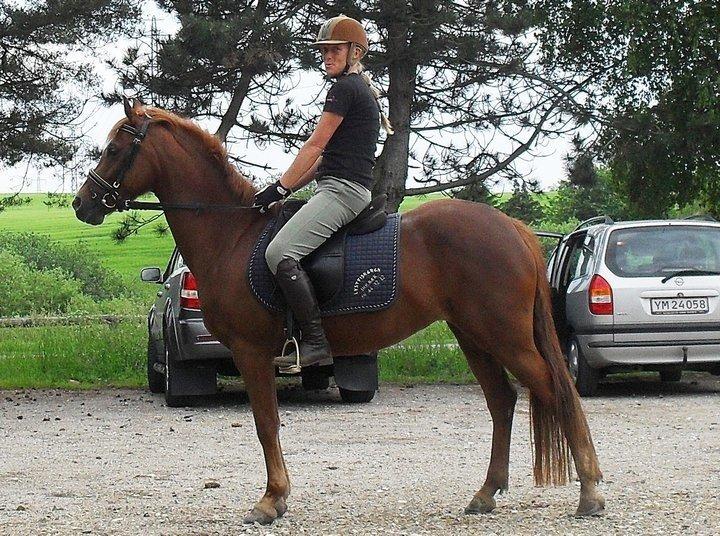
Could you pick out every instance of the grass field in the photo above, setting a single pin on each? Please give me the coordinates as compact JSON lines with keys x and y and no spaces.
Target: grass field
{"x":85,"y":356}
{"x":101,"y":355}
{"x":145,"y":249}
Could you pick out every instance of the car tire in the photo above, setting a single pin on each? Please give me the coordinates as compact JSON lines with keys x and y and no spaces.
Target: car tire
{"x":356,"y":397}
{"x":171,"y":364}
{"x":670,"y":375}
{"x":314,"y":381}
{"x":156,"y":380}
{"x":585,"y":377}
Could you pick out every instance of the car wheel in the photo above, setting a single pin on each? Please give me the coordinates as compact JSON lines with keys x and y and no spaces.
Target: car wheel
{"x":671,"y":375}
{"x":356,"y":397}
{"x":585,"y":377}
{"x":156,"y":380}
{"x":314,"y":381}
{"x":171,"y":399}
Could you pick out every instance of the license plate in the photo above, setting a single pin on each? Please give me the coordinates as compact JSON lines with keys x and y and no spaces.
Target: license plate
{"x":679,"y":306}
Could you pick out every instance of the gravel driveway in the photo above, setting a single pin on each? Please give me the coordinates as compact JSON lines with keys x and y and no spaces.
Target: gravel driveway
{"x":120,"y":462}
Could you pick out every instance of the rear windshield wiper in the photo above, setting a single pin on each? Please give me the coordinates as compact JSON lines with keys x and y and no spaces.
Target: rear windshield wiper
{"x":689,"y":272}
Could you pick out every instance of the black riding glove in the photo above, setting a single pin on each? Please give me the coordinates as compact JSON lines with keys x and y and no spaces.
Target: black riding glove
{"x":272,"y":193}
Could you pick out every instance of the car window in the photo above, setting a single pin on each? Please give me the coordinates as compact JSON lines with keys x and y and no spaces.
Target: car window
{"x":585,"y":253}
{"x":176,"y":261}
{"x":660,"y":250}
{"x":571,"y":255}
{"x":581,"y":257}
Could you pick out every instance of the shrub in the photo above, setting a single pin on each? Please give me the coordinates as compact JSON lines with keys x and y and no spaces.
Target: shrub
{"x":41,"y":253}
{"x":26,"y":291}
{"x":579,"y":203}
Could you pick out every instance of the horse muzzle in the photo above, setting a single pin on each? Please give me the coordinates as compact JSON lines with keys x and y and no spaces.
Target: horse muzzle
{"x":88,"y":211}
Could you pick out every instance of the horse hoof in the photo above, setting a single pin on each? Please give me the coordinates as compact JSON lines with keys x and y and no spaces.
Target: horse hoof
{"x":280,"y":507}
{"x":257,"y":515}
{"x":480,"y":505}
{"x":590,"y":507}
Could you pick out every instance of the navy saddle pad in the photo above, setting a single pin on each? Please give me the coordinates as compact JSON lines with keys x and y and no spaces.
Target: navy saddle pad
{"x":351,"y":273}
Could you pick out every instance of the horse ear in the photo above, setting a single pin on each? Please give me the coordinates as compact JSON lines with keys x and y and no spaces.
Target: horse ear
{"x":138,"y":102}
{"x":128,"y":107}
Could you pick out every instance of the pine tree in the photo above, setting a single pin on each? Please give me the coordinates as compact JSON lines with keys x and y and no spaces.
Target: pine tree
{"x":39,"y":82}
{"x":228,"y":61}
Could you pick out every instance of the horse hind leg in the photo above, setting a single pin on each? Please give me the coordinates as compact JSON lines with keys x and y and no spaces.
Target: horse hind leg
{"x":500,"y":396}
{"x":552,"y":417}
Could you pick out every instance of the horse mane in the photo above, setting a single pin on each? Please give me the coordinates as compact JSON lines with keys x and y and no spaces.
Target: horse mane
{"x":238,"y":184}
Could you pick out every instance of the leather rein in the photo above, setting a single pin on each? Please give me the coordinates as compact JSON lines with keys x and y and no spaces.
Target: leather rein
{"x":112,"y":199}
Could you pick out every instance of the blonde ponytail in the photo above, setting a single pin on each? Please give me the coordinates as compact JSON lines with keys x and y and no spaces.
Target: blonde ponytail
{"x":384,"y":121}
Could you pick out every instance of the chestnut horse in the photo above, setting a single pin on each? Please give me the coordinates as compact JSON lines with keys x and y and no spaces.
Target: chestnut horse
{"x":465,"y":263}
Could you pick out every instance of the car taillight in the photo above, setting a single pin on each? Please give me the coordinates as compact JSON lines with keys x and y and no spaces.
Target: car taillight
{"x":188,"y":293}
{"x":600,"y":296}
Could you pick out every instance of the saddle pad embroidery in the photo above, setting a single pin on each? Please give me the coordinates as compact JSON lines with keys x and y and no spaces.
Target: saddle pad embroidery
{"x":370,"y":272}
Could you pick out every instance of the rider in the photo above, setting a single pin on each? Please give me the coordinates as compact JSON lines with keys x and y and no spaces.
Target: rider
{"x":340,"y":155}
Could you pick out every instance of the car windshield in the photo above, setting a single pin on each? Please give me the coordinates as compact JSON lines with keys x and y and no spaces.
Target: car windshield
{"x":662,"y":250}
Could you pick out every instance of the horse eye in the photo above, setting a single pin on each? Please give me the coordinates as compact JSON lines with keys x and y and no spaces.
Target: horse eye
{"x":112,"y":149}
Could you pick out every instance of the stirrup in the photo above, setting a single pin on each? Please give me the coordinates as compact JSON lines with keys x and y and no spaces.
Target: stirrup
{"x":291,"y":369}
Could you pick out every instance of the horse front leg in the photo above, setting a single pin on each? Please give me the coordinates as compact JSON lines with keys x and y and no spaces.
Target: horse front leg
{"x":258,"y":374}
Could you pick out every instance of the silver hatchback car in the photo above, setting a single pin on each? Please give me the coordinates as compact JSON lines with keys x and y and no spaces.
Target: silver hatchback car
{"x":638,"y":295}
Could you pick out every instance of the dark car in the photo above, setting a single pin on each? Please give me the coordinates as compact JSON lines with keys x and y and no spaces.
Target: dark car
{"x":184,"y":359}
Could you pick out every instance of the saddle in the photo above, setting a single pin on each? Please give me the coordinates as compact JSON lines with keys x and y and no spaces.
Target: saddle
{"x":325,"y":265}
{"x":355,"y":270}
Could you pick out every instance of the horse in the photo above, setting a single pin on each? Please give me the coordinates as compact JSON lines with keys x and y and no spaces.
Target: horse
{"x":465,"y":263}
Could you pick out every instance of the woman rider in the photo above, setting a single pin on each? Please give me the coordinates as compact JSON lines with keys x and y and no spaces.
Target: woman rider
{"x":340,"y":155}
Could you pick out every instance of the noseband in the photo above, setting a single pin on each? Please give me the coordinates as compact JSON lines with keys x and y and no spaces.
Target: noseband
{"x":111,"y":197}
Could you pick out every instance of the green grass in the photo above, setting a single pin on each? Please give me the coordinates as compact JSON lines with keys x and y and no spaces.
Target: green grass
{"x":410,"y":203}
{"x":137,"y":252}
{"x":76,"y":357}
{"x":146,"y":249}
{"x":101,"y":355}
{"x":429,"y":356}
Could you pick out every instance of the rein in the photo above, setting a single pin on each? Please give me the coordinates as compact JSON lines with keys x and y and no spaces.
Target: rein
{"x":112,"y":199}
{"x":197,"y":207}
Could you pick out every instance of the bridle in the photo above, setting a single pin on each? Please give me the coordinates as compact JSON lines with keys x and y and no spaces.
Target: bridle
{"x":111,"y":197}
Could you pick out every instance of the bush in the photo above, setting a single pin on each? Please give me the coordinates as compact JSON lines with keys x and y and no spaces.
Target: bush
{"x":27,"y":291}
{"x":41,"y":253}
{"x":603,"y":198}
{"x":523,"y":205}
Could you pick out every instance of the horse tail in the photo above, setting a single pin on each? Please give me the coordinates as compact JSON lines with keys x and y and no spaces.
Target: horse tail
{"x":553,"y":426}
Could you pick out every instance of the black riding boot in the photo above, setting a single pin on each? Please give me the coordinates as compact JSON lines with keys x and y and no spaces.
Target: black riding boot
{"x":300,"y":296}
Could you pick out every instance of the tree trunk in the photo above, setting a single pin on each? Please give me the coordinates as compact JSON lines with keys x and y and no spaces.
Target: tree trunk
{"x":241,"y":90}
{"x":391,"y":168}
{"x":230,"y":116}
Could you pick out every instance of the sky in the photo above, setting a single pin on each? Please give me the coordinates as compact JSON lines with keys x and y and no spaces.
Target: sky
{"x":547,"y":167}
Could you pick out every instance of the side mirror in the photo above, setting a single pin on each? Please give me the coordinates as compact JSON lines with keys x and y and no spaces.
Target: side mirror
{"x":151,"y":275}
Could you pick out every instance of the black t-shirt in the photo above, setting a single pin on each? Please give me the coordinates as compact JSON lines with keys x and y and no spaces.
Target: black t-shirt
{"x":350,"y":153}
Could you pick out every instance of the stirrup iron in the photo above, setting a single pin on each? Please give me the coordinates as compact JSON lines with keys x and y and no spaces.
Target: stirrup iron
{"x":291,"y":369}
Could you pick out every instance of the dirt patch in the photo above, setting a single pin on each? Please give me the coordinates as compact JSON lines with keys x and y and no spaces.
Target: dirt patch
{"x":120,"y":462}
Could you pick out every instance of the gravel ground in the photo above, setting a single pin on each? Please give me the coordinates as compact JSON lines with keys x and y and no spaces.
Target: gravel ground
{"x":120,"y":462}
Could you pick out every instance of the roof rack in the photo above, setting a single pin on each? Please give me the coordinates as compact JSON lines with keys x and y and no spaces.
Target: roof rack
{"x":594,"y":221}
{"x":701,"y":217}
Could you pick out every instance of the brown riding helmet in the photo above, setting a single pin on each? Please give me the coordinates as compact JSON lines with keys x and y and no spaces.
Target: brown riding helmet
{"x":342,"y":29}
